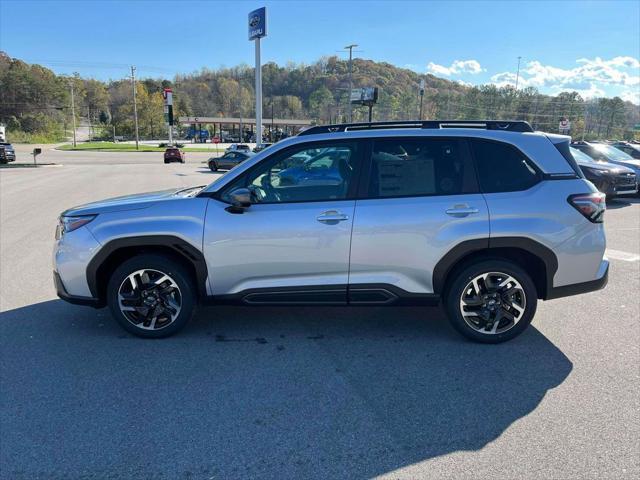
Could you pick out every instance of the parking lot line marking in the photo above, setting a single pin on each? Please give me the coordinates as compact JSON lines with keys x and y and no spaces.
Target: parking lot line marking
{"x":620,"y":255}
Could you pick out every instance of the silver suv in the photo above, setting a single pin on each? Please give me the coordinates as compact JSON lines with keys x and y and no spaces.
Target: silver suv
{"x":485,"y":217}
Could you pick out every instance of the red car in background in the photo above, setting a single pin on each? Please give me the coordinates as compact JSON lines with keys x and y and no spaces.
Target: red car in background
{"x":173,"y":154}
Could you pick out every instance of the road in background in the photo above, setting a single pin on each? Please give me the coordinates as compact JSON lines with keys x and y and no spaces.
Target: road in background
{"x":300,"y":392}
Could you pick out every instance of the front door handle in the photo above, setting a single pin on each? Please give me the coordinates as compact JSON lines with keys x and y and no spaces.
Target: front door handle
{"x":461,"y":211}
{"x":332,"y":217}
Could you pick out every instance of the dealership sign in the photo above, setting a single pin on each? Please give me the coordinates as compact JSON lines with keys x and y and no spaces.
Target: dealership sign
{"x":564,"y":126}
{"x":258,"y":23}
{"x":167,"y":94}
{"x":364,"y":96}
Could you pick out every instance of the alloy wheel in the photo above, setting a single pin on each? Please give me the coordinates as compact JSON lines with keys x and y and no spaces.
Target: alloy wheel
{"x":150,"y":299}
{"x":493,"y":303}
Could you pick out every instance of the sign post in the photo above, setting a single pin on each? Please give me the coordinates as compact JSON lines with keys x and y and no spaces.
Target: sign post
{"x":168,"y":111}
{"x":565,"y":126}
{"x":36,"y":152}
{"x":365,"y":96}
{"x":257,"y":30}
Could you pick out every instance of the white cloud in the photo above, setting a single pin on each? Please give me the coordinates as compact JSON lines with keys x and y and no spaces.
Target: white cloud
{"x":457,"y":67}
{"x":589,"y":78}
{"x":632,"y":96}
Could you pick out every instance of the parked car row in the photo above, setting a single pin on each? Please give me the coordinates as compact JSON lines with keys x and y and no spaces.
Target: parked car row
{"x":610,"y":168}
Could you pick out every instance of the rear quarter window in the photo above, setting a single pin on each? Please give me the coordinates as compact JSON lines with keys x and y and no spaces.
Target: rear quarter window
{"x":503,"y":168}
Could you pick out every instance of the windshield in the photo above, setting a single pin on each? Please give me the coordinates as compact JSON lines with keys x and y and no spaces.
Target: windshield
{"x":613,"y":153}
{"x":580,"y":157}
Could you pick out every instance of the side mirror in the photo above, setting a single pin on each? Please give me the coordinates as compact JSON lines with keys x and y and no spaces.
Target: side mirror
{"x":240,"y":199}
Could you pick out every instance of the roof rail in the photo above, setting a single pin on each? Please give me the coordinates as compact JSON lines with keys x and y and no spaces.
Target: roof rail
{"x":505,"y":125}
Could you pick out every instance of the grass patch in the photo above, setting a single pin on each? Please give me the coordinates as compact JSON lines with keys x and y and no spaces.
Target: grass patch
{"x":129,"y":147}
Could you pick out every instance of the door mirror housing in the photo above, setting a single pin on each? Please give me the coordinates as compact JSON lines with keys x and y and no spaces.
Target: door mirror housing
{"x":240,"y":199}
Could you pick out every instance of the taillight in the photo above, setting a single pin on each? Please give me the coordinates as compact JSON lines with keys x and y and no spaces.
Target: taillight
{"x":591,"y":205}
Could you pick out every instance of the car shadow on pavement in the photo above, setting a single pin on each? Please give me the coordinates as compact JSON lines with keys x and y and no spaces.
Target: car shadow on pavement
{"x":257,"y":392}
{"x":621,"y":202}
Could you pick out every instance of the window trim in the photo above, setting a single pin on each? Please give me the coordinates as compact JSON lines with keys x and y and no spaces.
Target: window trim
{"x":534,"y":165}
{"x":353,"y":187}
{"x":363,"y":190}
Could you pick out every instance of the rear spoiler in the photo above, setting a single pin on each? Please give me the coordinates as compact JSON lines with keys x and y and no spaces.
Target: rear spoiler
{"x":562,"y":142}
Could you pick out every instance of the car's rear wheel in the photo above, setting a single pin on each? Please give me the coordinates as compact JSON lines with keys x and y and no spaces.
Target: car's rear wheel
{"x":491,"y":301}
{"x":151,"y":296}
{"x":213,"y":166}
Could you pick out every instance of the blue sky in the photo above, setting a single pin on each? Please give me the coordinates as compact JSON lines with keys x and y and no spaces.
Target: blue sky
{"x":592,"y":47}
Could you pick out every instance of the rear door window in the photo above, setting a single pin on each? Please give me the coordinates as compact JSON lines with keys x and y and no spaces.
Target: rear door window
{"x":502,"y":167}
{"x":405,"y":167}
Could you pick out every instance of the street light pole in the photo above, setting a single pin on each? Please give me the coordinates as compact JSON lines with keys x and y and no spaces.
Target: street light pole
{"x":421,"y":96}
{"x":350,"y":48}
{"x":258,"y":94}
{"x":73,"y":113}
{"x":135,"y":105}
{"x":518,"y":73}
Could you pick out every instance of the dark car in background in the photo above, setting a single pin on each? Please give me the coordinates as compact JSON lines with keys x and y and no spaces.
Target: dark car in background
{"x":631,"y":149}
{"x":7,"y":153}
{"x":609,"y":178}
{"x":173,"y":154}
{"x":607,"y":153}
{"x":228,"y":160}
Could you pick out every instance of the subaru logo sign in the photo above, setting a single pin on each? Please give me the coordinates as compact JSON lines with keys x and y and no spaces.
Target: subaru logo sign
{"x":258,"y":23}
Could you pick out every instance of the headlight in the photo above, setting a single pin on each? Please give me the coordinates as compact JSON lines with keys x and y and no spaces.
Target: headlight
{"x":596,"y":172}
{"x":69,"y":224}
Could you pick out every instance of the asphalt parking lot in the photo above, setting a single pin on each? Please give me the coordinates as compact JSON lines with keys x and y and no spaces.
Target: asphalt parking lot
{"x":300,"y":392}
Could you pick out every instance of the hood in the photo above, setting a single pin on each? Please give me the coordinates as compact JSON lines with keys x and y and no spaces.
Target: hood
{"x":605,"y":166}
{"x":132,"y":202}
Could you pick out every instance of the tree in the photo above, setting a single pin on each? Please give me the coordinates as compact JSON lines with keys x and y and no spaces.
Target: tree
{"x":319,"y":100}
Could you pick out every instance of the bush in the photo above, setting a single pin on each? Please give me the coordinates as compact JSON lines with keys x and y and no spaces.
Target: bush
{"x":18,"y":136}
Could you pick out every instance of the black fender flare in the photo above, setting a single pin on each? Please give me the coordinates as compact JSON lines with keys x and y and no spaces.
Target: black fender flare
{"x":463,"y":249}
{"x":179,"y":246}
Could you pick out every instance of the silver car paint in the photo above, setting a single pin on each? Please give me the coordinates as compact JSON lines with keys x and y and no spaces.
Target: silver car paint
{"x":400,"y":240}
{"x":71,"y":254}
{"x":277,"y":245}
{"x":280,"y":245}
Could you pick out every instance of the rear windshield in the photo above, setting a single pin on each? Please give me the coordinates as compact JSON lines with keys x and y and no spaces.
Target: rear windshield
{"x":613,"y":153}
{"x":581,"y":156}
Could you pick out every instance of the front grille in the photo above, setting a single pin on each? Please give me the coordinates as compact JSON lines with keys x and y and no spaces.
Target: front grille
{"x":626,"y":179}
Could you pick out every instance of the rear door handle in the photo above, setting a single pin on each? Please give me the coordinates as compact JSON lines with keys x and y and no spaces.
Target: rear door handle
{"x":461,"y":211}
{"x":332,"y":216}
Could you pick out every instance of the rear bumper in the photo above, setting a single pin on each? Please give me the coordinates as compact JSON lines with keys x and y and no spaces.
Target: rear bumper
{"x":585,"y":287}
{"x":76,"y":300}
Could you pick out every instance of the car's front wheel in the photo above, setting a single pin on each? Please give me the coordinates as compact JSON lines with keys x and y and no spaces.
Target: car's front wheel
{"x":151,"y":296}
{"x":213,"y":166}
{"x":491,"y":301}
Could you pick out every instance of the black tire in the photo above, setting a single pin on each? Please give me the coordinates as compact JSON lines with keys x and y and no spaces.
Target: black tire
{"x":462,"y":279}
{"x":166,"y":161}
{"x":164,"y":265}
{"x":213,"y":166}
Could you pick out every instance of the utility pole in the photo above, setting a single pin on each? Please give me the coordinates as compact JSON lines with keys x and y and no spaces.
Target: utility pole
{"x":421,"y":97}
{"x":350,"y":48}
{"x":518,"y":73}
{"x":73,"y":113}
{"x":135,"y":105}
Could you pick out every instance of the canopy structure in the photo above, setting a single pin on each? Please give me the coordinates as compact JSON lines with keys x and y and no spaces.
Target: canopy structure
{"x":273,"y":127}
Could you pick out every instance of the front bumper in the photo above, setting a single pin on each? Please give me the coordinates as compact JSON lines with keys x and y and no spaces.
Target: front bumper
{"x":585,"y":287}
{"x":76,"y":300}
